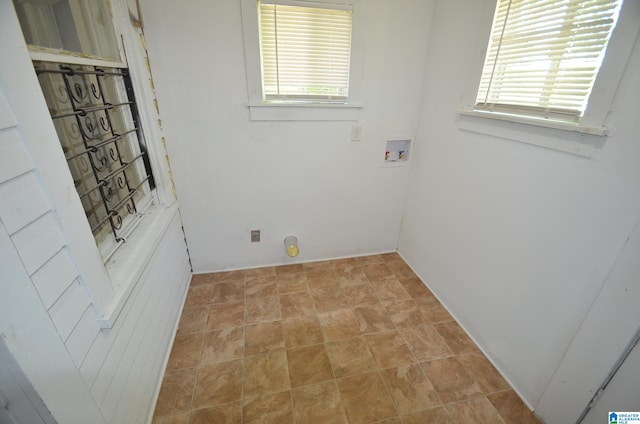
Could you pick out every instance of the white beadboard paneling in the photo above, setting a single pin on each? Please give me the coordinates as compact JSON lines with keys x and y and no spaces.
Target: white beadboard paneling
{"x":109,"y":377}
{"x":124,"y":386}
{"x":38,"y":242}
{"x":22,"y":201}
{"x":161,"y":353}
{"x":7,"y":120}
{"x":152,"y":366}
{"x":124,"y":364}
{"x":97,"y":353}
{"x":119,"y":344}
{"x":82,"y":337}
{"x":14,"y":158}
{"x":131,"y":347}
{"x":54,"y":277}
{"x":68,"y":310}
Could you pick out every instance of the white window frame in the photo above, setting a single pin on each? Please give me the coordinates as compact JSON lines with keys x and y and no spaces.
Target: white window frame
{"x":109,"y":284}
{"x":308,"y":111}
{"x":593,"y":121}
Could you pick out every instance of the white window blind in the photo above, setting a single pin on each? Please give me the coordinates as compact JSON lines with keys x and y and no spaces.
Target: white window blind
{"x":544,"y":56}
{"x":305,"y":52}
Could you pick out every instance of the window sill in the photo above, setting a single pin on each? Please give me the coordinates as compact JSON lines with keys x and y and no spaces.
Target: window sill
{"x":304,"y":112}
{"x":540,"y":122}
{"x":129,"y":262}
{"x":565,"y":137}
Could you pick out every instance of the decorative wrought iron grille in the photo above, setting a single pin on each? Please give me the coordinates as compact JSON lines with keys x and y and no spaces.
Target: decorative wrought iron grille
{"x":96,"y":118}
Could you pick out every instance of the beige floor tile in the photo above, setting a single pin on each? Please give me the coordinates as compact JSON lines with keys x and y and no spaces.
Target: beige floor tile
{"x":262,"y":309}
{"x":329,"y":301}
{"x":430,"y":416}
{"x":321,"y":276}
{"x":232,"y":291}
{"x":225,"y":315}
{"x":292,"y":283}
{"x":193,"y":320}
{"x":475,"y":411}
{"x":228,"y":413}
{"x":198,"y":295}
{"x":297,"y":305}
{"x":222,"y":345}
{"x":264,"y":374}
{"x":322,"y":281}
{"x":185,"y":352}
{"x":390,"y":290}
{"x":451,"y":380}
{"x":389,"y":349}
{"x":351,"y":276}
{"x":314,"y":266}
{"x":410,"y":389}
{"x":481,"y":370}
{"x":350,"y":357}
{"x":373,"y":319}
{"x":365,"y":398}
{"x":260,"y":272}
{"x":406,"y":313}
{"x":309,"y":365}
{"x":436,"y":313}
{"x":366,"y":342}
{"x":255,"y":292}
{"x":172,"y":419}
{"x":218,"y":384}
{"x":360,"y":295}
{"x":456,"y":338}
{"x":401,"y":270}
{"x":345,"y":263}
{"x":390,"y":257}
{"x":176,"y":392}
{"x":339,"y":324}
{"x":268,"y":409}
{"x":415,"y":287}
{"x":302,"y":331}
{"x":426,"y":343}
{"x":197,"y":279}
{"x":287,"y":269}
{"x":229,"y":276}
{"x":378,"y":271}
{"x":318,"y":403}
{"x":370,"y":259}
{"x":511,"y":408}
{"x":263,"y":337}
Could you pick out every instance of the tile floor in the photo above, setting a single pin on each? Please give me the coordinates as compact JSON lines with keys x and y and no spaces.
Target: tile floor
{"x":358,"y":340}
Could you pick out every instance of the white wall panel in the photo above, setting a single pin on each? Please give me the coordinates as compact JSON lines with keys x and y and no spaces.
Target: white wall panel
{"x":82,"y":336}
{"x":23,"y":201}
{"x":38,"y":242}
{"x":304,"y":178}
{"x":14,"y":159}
{"x":518,"y":240}
{"x":54,"y":277}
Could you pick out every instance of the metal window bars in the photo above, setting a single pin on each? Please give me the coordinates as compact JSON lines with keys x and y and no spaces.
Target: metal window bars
{"x":96,"y":118}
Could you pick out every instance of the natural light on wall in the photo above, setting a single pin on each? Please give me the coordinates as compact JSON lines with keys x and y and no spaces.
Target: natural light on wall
{"x":305,"y":51}
{"x":544,"y":56}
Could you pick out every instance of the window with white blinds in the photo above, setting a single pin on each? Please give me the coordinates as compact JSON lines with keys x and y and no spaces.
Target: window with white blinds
{"x":543,"y":56}
{"x":305,"y":51}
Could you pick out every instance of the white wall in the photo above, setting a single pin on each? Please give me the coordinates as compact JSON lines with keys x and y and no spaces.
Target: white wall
{"x":304,"y":178}
{"x":515,"y":239}
{"x":82,"y":373}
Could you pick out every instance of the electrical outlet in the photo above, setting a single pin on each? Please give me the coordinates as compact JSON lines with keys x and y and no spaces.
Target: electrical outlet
{"x":356,"y":132}
{"x":255,"y":236}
